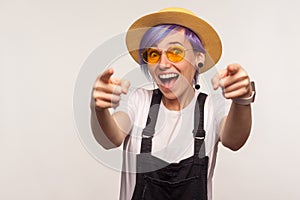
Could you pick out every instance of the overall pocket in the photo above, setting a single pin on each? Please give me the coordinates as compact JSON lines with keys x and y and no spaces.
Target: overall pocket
{"x":193,"y":188}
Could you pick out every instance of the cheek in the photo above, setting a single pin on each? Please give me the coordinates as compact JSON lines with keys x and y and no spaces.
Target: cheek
{"x":190,"y":66}
{"x":189,"y":72}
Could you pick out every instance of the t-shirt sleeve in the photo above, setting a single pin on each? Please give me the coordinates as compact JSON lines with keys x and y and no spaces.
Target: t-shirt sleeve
{"x":136,"y":105}
{"x":220,"y":108}
{"x":128,"y":104}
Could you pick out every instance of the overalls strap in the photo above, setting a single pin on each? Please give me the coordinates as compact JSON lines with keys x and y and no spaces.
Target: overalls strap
{"x":199,"y":132}
{"x":149,"y":130}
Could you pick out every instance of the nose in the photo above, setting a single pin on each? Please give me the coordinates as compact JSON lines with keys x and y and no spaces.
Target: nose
{"x":164,"y":62}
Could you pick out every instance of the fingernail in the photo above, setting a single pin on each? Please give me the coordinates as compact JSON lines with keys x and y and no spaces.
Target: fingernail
{"x":124,"y":90}
{"x":125,"y":86}
{"x":215,"y":85}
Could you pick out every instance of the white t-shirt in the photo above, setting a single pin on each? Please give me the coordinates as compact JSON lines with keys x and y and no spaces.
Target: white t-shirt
{"x":173,"y":140}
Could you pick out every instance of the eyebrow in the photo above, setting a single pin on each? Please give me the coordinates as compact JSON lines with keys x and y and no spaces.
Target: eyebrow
{"x":176,"y":43}
{"x":172,"y":43}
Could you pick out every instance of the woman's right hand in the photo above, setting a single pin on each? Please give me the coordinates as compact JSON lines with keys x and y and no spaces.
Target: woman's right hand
{"x":107,"y":90}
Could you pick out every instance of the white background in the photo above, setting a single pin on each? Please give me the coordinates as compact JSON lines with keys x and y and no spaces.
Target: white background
{"x":42,"y":47}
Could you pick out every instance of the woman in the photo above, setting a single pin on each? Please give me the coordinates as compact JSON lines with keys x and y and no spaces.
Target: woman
{"x":169,"y":135}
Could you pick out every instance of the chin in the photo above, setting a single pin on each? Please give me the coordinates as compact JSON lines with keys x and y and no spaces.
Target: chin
{"x":171,"y":94}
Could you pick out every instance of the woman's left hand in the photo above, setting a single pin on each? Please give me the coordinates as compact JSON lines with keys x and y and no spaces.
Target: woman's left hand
{"x":234,"y":81}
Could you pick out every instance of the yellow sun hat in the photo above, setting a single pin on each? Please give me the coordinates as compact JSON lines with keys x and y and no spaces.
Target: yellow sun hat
{"x":207,"y":34}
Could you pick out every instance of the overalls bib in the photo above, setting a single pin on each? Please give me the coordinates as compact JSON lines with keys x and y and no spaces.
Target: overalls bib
{"x":159,"y":180}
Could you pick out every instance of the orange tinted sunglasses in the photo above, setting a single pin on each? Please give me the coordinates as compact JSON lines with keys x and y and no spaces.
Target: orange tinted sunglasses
{"x":174,"y":54}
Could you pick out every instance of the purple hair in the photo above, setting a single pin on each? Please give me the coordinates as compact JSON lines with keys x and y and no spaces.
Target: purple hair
{"x":157,"y":33}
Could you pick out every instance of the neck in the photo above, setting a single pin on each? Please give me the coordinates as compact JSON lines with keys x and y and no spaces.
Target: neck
{"x":181,"y":101}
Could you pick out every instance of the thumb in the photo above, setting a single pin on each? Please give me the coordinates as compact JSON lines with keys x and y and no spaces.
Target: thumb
{"x":125,"y":84}
{"x":216,"y":80}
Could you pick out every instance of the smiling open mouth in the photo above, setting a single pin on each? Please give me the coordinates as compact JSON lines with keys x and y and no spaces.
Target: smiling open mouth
{"x":168,"y":80}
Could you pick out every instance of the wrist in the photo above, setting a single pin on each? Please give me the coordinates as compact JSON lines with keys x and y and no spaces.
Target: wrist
{"x":246,"y":100}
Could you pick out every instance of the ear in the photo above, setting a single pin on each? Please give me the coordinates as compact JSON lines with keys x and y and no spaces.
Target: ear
{"x":200,"y":57}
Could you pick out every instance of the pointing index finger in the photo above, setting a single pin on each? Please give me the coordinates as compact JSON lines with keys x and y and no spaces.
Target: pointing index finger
{"x":232,"y":69}
{"x":106,"y":75}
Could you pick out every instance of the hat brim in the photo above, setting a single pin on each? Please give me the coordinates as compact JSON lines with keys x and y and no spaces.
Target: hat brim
{"x":207,"y":34}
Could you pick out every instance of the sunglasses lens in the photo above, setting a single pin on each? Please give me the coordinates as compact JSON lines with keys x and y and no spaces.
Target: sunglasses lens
{"x":151,"y":55}
{"x":175,"y":54}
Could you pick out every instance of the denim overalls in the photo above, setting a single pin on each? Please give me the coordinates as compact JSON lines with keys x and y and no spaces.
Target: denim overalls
{"x":157,"y":179}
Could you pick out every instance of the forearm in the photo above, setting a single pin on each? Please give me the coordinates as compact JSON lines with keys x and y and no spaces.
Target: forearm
{"x":236,"y":127}
{"x":105,"y":129}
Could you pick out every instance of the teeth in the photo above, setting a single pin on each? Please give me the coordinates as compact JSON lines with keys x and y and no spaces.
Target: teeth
{"x":165,"y":76}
